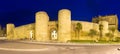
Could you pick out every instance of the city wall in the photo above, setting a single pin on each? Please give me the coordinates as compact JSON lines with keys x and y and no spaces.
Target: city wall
{"x":86,"y":26}
{"x":23,"y":32}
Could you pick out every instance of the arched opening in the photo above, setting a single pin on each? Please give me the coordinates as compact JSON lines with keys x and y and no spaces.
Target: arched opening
{"x":54,"y":35}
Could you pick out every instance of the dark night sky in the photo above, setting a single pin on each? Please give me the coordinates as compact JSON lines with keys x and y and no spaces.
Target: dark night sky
{"x":22,"y":12}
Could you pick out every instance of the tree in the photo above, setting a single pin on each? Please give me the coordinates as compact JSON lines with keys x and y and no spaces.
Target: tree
{"x":101,"y":30}
{"x":112,"y":29}
{"x":109,"y":35}
{"x":92,"y":33}
{"x":79,"y":28}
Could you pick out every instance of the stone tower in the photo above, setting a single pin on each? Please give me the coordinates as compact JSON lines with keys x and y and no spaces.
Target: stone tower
{"x":10,"y":31}
{"x":41,"y":26}
{"x":111,"y":19}
{"x":64,"y":25}
{"x":105,"y":26}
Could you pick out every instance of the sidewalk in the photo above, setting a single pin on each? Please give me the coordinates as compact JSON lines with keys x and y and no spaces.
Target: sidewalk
{"x":31,"y":50}
{"x":16,"y":46}
{"x":67,"y":44}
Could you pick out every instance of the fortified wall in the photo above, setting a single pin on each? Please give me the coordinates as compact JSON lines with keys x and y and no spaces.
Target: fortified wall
{"x":111,"y":19}
{"x":23,"y":32}
{"x":86,"y":26}
{"x":62,"y":30}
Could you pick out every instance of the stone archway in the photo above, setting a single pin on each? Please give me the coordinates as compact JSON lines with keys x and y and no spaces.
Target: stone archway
{"x":53,"y":34}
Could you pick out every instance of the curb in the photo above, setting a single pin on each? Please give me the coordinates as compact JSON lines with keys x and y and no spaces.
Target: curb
{"x":67,"y":44}
{"x":11,"y":49}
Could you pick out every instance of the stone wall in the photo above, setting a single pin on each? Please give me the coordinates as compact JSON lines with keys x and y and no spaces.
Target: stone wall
{"x":111,"y":19}
{"x":66,"y":29}
{"x":86,"y":26}
{"x":105,"y":27}
{"x":53,"y":25}
{"x":64,"y":25}
{"x":10,"y":31}
{"x":41,"y":26}
{"x":23,"y":32}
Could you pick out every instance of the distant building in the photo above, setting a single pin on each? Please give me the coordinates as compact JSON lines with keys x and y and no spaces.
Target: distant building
{"x":111,"y":19}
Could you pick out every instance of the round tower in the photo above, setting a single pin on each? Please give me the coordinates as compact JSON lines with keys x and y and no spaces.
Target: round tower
{"x":41,"y":26}
{"x":10,"y":31}
{"x":105,"y":26}
{"x":64,"y":25}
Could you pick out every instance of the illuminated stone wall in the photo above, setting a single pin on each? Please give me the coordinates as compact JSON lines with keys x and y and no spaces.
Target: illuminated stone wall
{"x":86,"y":26}
{"x":53,"y":25}
{"x":105,"y":27}
{"x":64,"y":25}
{"x":10,"y":31}
{"x":23,"y":32}
{"x":41,"y":26}
{"x":111,"y":19}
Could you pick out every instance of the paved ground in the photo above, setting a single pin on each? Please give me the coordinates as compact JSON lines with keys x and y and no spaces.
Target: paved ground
{"x":28,"y":48}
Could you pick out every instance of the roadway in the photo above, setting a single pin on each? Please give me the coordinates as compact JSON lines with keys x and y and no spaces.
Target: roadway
{"x":11,"y":47}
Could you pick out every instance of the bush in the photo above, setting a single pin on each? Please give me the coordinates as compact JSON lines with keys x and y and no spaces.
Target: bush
{"x":103,"y":41}
{"x":117,"y":39}
{"x":82,"y":41}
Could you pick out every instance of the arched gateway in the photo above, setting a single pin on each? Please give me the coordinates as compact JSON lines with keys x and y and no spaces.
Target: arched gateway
{"x":53,"y":35}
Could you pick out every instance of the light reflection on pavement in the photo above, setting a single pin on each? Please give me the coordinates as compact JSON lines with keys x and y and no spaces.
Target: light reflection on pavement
{"x":60,"y":49}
